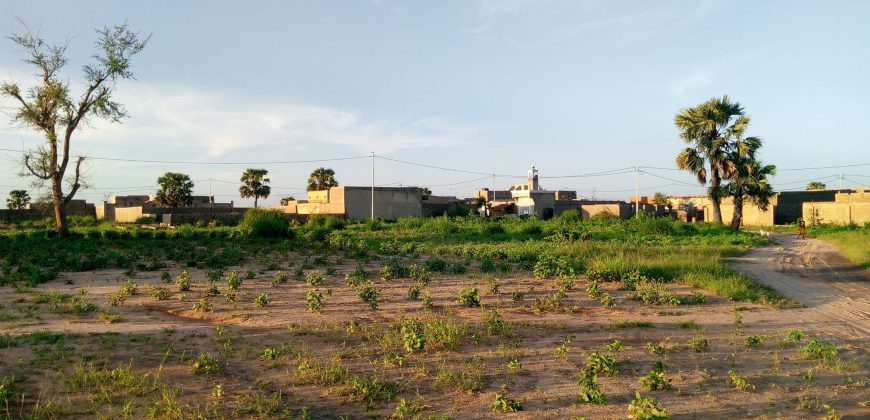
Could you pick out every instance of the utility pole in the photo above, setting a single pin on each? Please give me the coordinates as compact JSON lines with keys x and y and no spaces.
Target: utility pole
{"x":373,"y":185}
{"x":636,"y":196}
{"x":841,"y":182}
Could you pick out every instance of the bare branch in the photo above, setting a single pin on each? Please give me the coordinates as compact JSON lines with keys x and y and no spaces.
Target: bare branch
{"x":76,"y":185}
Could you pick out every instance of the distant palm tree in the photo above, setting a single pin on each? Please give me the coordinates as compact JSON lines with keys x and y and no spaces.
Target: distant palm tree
{"x":749,"y":180}
{"x":286,"y":200}
{"x":710,"y":129}
{"x":176,"y":190}
{"x":322,"y":179}
{"x":816,"y":185}
{"x":254,"y":184}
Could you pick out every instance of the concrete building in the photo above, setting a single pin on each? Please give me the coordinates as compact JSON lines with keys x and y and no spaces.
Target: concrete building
{"x":356,"y":202}
{"x":529,"y":199}
{"x":129,"y":208}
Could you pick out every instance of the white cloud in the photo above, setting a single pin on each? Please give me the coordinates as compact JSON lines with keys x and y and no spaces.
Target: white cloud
{"x":217,"y":123}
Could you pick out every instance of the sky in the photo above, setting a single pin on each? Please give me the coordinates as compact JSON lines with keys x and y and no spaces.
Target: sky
{"x":481,"y":87}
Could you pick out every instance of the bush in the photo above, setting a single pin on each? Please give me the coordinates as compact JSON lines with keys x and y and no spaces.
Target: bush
{"x":265,"y":224}
{"x":206,"y":364}
{"x":549,"y":266}
{"x":646,"y":409}
{"x":818,"y":349}
{"x":314,"y":278}
{"x":183,"y":281}
{"x":469,"y":296}
{"x":369,"y":293}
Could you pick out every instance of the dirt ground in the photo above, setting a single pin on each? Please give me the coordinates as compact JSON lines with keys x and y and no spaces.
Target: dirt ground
{"x":162,"y":337}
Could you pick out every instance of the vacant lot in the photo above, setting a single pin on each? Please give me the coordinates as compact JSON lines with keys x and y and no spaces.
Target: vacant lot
{"x":422,"y":318}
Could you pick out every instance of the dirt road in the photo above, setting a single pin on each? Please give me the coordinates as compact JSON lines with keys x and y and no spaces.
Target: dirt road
{"x":836,"y":293}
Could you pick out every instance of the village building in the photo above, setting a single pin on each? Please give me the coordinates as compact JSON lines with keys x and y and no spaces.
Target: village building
{"x":355,"y":202}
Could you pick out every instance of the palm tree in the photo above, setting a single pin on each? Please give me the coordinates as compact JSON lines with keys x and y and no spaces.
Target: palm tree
{"x":710,"y":129}
{"x":254,"y":184}
{"x":816,"y":185}
{"x":322,"y":179}
{"x":176,"y":190}
{"x":749,"y":181}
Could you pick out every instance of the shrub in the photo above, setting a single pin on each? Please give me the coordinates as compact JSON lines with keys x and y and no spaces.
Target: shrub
{"x":183,"y":281}
{"x":495,"y":325}
{"x":270,"y":353}
{"x":129,"y":288}
{"x":468,"y":377}
{"x":754,"y":340}
{"x":422,"y":275}
{"x":315,"y":300}
{"x":505,"y":404}
{"x":368,"y":293}
{"x":261,"y":300}
{"x":203,"y":305}
{"x":234,"y":281}
{"x":412,"y":335}
{"x":445,"y":332}
{"x":206,"y":364}
{"x":739,"y":381}
{"x":435,"y":264}
{"x":280,"y":278}
{"x":818,"y":349}
{"x":655,"y":380}
{"x":517,"y":296}
{"x":265,"y":224}
{"x":159,"y":293}
{"x":699,"y":343}
{"x":625,"y":323}
{"x":165,"y":277}
{"x":427,"y":300}
{"x":646,"y":409}
{"x":601,"y":364}
{"x":314,"y":278}
{"x":469,"y":296}
{"x":393,"y":270}
{"x":414,"y":291}
{"x":549,"y":266}
{"x":357,"y":276}
{"x":793,"y":336}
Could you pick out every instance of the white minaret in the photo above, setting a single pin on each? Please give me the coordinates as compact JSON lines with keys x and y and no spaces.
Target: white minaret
{"x":533,"y":179}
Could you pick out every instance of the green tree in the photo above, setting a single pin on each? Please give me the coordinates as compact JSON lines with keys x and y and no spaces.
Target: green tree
{"x":710,"y":129}
{"x":18,"y":199}
{"x":661,"y":199}
{"x":254,"y":184}
{"x":176,"y":190}
{"x":286,"y":200}
{"x":49,"y":108}
{"x":426,"y":193}
{"x":322,"y":179}
{"x":749,"y":180}
{"x":816,"y":185}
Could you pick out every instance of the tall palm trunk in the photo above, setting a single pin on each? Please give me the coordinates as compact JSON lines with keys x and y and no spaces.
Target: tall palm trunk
{"x":715,"y":198}
{"x":737,"y":219}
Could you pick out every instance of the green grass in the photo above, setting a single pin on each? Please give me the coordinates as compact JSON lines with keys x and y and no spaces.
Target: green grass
{"x":853,"y":242}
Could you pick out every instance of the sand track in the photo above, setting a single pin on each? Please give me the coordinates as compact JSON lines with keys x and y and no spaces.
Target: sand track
{"x":836,"y":292}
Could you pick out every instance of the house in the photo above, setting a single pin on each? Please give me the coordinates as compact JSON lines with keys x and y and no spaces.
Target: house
{"x":355,"y":202}
{"x":129,"y":208}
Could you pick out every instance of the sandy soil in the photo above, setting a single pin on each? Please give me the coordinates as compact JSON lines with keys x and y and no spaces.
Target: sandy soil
{"x":835,"y":292}
{"x":163,"y":336}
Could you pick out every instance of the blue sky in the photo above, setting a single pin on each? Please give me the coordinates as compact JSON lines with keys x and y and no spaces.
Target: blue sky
{"x":483,"y":86}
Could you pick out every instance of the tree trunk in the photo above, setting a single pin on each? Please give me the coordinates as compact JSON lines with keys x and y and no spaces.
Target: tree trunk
{"x":59,"y":207}
{"x":715,"y":199}
{"x":737,"y":219}
{"x":255,"y":201}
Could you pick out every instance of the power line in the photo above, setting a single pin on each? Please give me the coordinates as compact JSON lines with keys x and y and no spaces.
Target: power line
{"x":185,"y":162}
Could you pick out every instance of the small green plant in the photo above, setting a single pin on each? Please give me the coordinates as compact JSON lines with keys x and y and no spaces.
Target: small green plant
{"x":357,"y":276}
{"x":492,"y":285}
{"x":469,"y":296}
{"x":550,"y":266}
{"x":515,"y":364}
{"x":739,"y":381}
{"x":699,"y":343}
{"x":110,"y":317}
{"x":203,"y":305}
{"x":214,"y":275}
{"x":646,"y":408}
{"x":280,"y":278}
{"x":406,"y":410}
{"x":165,"y":277}
{"x":368,"y":293}
{"x":206,"y":364}
{"x":262,"y":300}
{"x":412,"y":335}
{"x":560,"y":351}
{"x":754,"y":340}
{"x":614,"y":346}
{"x":414,"y":291}
{"x":793,"y":336}
{"x":421,"y":275}
{"x":655,"y":348}
{"x":314,"y":278}
{"x":506,"y":404}
{"x":270,"y":353}
{"x":183,"y":281}
{"x":631,"y":324}
{"x":517,"y":296}
{"x":427,"y":300}
{"x":234,"y":281}
{"x":250,"y":274}
{"x":211,"y":289}
{"x":601,"y":364}
{"x":655,"y":380}
{"x":117,"y":298}
{"x":589,"y":390}
{"x":689,"y":325}
{"x":129,"y":288}
{"x":817,"y":349}
{"x":315,"y":300}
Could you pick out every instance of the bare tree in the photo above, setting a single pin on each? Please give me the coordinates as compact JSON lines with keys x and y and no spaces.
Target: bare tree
{"x":48,"y":106}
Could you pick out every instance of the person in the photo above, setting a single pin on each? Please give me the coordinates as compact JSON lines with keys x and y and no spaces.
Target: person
{"x":802,"y":229}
